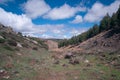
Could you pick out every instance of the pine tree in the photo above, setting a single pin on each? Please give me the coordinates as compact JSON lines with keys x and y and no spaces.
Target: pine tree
{"x":118,"y":17}
{"x":105,"y":23}
{"x":113,"y":22}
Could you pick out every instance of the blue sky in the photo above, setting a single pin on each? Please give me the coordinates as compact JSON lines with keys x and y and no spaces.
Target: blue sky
{"x":54,"y":18}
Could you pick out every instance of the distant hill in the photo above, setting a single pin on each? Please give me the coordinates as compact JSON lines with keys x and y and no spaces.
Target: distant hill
{"x":56,"y":40}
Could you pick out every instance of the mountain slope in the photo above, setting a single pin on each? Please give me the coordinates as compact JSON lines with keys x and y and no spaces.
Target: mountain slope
{"x":107,"y":23}
{"x":20,"y":57}
{"x":107,"y":41}
{"x":27,"y":58}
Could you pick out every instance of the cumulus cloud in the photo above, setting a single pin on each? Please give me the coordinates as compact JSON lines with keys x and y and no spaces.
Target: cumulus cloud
{"x":78,"y":31}
{"x":78,"y":19}
{"x":36,"y":8}
{"x":18,"y":22}
{"x":46,"y":36}
{"x":63,"y":12}
{"x":22,"y":23}
{"x":98,"y":11}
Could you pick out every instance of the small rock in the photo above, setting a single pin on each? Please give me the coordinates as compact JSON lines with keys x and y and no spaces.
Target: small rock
{"x":35,"y":42}
{"x":19,"y":45}
{"x":75,"y":77}
{"x":65,"y":65}
{"x":1,"y":71}
{"x":102,"y":72}
{"x":19,"y":54}
{"x":68,"y":56}
{"x":86,"y":61}
{"x":15,"y":72}
{"x":28,"y":39}
{"x":118,"y":55}
{"x":57,"y":62}
{"x":88,"y":65}
{"x":35,"y":48}
{"x":74,"y":61}
{"x":1,"y":37}
{"x":6,"y":77}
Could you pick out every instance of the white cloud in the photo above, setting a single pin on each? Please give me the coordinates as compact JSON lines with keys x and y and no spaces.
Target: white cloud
{"x":31,"y":35}
{"x":35,"y":8}
{"x":38,"y":8}
{"x":56,"y":31}
{"x":63,"y":12}
{"x":22,"y":23}
{"x":46,"y":36}
{"x":78,"y":19}
{"x":75,"y":32}
{"x":18,"y":22}
{"x":98,"y":11}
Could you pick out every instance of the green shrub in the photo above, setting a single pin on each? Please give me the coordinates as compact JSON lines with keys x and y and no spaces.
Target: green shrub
{"x":35,"y":48}
{"x":8,"y":48}
{"x":25,"y":45}
{"x":12,"y":43}
{"x":2,"y":40}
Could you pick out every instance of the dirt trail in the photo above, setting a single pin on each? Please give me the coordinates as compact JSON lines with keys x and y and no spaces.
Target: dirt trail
{"x":52,"y":45}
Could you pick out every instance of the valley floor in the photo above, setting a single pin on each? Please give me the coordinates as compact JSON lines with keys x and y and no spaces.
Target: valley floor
{"x":44,"y":65}
{"x":90,"y":67}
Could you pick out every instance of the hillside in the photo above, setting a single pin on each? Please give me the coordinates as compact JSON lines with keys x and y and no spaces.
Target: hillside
{"x":104,"y":42}
{"x":107,"y":41}
{"x":29,"y":58}
{"x":107,"y":23}
{"x":19,"y":55}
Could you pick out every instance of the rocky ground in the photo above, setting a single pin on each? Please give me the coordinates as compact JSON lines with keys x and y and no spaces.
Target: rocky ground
{"x":27,"y":58}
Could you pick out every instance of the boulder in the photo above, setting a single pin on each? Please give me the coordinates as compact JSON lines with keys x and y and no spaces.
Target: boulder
{"x":12,"y":43}
{"x":74,"y":61}
{"x":35,"y":48}
{"x":68,"y":56}
{"x":1,"y":37}
{"x":35,"y":42}
{"x":19,"y":45}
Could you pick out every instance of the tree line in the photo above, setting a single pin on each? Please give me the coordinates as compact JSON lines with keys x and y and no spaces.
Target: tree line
{"x":108,"y":22}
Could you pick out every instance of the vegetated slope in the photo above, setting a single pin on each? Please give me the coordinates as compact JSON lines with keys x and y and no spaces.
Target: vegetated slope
{"x":107,"y":41}
{"x":26,"y":58}
{"x":20,"y":57}
{"x":107,"y":23}
{"x":98,"y":39}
